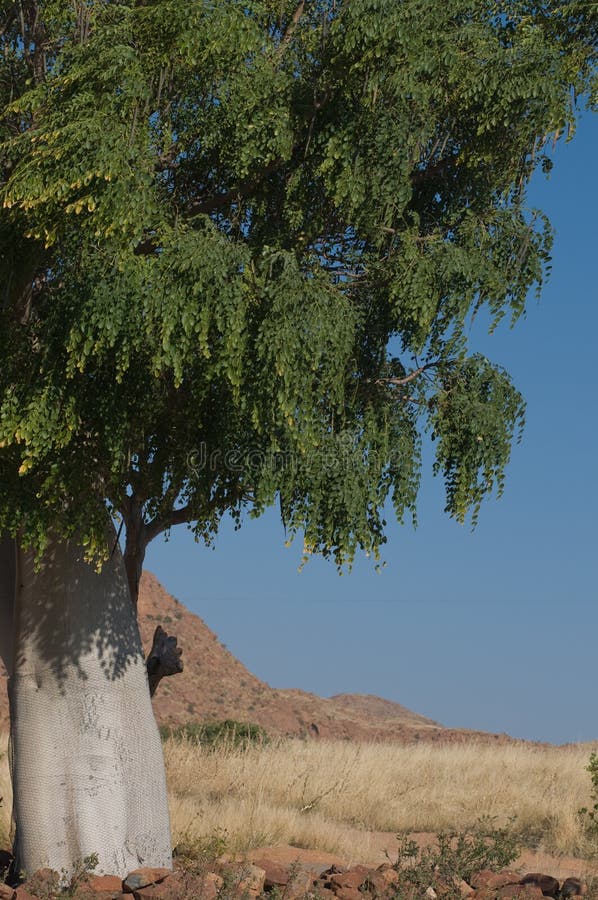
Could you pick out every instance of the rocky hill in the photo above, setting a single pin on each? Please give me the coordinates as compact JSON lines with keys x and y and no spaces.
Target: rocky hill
{"x":215,"y":686}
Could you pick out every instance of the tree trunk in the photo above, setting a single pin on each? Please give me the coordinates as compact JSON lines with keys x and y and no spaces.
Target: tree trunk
{"x":165,"y":656}
{"x":86,"y":759}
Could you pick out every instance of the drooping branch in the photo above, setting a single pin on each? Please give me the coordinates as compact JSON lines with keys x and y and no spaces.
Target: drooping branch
{"x":217,"y":202}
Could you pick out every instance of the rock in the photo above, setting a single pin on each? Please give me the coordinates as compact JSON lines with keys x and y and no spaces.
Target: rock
{"x":334,"y":870}
{"x":352,"y":879}
{"x":298,"y":881}
{"x":23,"y":894}
{"x":7,"y":893}
{"x":547,"y":884}
{"x":144,"y":877}
{"x":375,"y":883}
{"x":573,"y":887}
{"x":520,"y":891}
{"x":431,"y":893}
{"x":103,"y":884}
{"x":322,"y":893}
{"x":162,"y":890}
{"x":274,"y":874}
{"x":44,"y":883}
{"x":317,"y":861}
{"x":494,"y":880}
{"x":253,"y":879}
{"x":388,"y":872}
{"x":82,"y":893}
{"x":211,"y":886}
{"x":348,"y":894}
{"x":294,"y":879}
{"x":447,"y":888}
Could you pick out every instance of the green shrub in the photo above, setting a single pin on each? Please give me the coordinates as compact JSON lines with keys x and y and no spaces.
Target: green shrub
{"x":455,"y":856}
{"x":590,"y":816}
{"x":212,"y":734}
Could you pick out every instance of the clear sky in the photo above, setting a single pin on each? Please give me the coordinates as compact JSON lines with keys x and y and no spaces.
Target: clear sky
{"x":495,"y":629}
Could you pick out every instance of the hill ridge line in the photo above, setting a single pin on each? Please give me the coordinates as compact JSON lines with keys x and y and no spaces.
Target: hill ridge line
{"x":216,"y":685}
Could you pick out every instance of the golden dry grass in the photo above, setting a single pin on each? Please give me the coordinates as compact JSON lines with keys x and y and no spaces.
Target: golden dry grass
{"x":329,"y":795}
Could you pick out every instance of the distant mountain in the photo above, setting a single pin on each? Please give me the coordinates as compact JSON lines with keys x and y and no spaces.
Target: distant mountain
{"x":215,"y":686}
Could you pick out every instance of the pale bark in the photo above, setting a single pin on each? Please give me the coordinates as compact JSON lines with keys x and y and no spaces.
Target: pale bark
{"x":87,"y":765}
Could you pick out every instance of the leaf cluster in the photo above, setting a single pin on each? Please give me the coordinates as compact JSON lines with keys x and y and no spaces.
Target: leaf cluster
{"x":240,"y":246}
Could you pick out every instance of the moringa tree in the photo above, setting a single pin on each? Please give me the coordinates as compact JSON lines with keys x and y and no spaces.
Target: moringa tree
{"x":240,"y":246}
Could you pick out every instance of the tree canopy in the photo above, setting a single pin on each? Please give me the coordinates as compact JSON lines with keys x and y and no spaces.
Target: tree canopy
{"x":241,"y":243}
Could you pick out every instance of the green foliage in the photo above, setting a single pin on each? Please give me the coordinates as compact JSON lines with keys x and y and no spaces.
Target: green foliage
{"x":590,"y":816}
{"x":203,"y":850}
{"x":51,"y":885}
{"x":214,"y":734}
{"x":240,"y":250}
{"x":454,"y":856}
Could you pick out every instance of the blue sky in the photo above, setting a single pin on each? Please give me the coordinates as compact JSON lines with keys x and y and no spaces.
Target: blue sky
{"x":495,"y":629}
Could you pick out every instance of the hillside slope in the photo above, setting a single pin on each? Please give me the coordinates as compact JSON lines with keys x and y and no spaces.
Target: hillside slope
{"x":215,"y":685}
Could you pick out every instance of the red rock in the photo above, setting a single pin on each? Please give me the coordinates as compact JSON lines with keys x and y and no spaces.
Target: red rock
{"x":274,"y":874}
{"x":144,"y":877}
{"x":294,"y":878}
{"x":573,"y":887}
{"x":43,"y":883}
{"x":323,"y":893}
{"x":547,"y":884}
{"x":253,"y":878}
{"x":376,"y":883}
{"x":335,"y":870}
{"x":481,"y":893}
{"x":389,"y":873}
{"x":349,"y":894}
{"x":6,"y":892}
{"x":315,"y":861}
{"x":82,"y":893}
{"x":446,"y":888}
{"x":520,"y":891}
{"x":161,"y":891}
{"x":104,"y":883}
{"x":494,"y":880}
{"x":23,"y":894}
{"x":352,"y":879}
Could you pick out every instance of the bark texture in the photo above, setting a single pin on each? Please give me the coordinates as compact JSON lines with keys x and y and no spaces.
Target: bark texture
{"x":86,"y":758}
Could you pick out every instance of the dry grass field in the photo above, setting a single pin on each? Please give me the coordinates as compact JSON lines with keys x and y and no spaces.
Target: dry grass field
{"x":329,"y":795}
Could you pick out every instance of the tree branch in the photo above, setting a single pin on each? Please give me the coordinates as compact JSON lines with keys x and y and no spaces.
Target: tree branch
{"x":291,"y":27}
{"x":398,"y":382}
{"x":161,"y":523}
{"x":439,"y":168}
{"x":218,"y":201}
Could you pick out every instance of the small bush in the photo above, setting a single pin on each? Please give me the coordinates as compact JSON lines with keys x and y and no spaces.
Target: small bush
{"x":214,"y":734}
{"x":455,"y":856}
{"x":589,"y":817}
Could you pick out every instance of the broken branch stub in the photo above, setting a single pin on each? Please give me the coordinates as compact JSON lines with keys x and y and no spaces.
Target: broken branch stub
{"x":164,"y":658}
